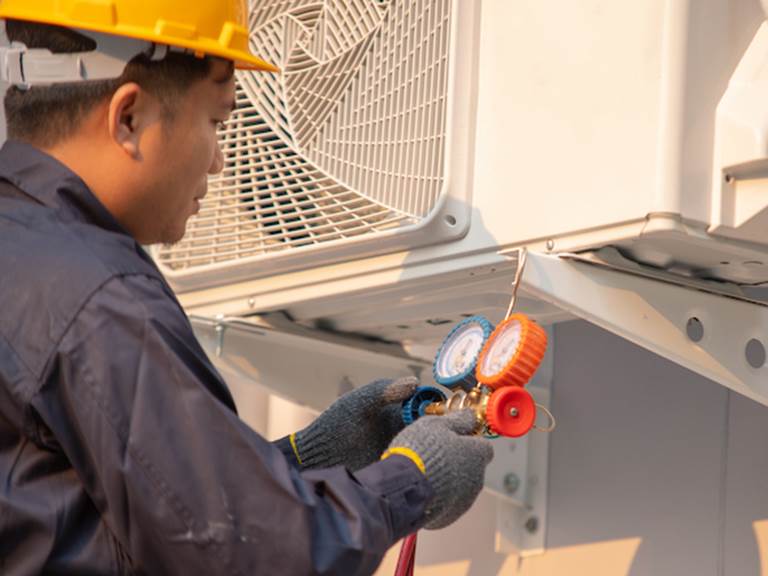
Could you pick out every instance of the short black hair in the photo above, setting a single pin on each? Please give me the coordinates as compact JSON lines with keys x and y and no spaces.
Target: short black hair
{"x":46,"y":115}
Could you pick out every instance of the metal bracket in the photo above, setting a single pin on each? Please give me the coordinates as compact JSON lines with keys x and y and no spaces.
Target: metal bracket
{"x":720,"y":337}
{"x":309,"y":366}
{"x":518,"y":476}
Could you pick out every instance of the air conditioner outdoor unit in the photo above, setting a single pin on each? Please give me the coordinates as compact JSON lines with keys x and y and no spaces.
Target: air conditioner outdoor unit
{"x":357,"y":148}
{"x":382,"y":184}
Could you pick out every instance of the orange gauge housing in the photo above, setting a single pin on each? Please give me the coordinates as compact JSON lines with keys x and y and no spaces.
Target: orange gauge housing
{"x":515,"y":368}
{"x":511,"y":412}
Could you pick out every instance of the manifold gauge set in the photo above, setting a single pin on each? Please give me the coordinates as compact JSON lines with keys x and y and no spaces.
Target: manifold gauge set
{"x":486,"y":370}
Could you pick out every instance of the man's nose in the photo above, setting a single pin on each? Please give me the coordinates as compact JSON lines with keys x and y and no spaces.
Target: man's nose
{"x":217,"y":165}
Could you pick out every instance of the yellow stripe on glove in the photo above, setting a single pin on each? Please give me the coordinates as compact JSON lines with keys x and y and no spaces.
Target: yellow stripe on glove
{"x":408,"y":453}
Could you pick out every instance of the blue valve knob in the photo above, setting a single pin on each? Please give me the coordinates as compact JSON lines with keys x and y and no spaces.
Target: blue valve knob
{"x":414,"y":407}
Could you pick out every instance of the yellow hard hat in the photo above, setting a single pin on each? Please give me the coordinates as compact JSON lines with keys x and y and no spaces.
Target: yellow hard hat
{"x":205,"y":27}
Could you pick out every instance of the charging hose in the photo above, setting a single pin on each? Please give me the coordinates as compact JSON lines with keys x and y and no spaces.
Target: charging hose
{"x":407,"y":558}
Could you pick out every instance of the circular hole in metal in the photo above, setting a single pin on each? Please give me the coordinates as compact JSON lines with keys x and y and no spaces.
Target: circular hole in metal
{"x":695,"y":329}
{"x":755,"y":353}
{"x":450,"y":220}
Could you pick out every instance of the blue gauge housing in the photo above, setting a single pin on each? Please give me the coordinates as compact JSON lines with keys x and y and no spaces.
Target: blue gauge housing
{"x":466,"y":376}
{"x":414,"y":407}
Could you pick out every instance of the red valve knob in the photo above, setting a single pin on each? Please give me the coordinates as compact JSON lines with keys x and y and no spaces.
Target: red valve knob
{"x":511,"y":411}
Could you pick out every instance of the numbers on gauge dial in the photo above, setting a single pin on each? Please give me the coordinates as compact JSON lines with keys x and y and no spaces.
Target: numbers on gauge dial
{"x":460,"y":351}
{"x":502,"y":349}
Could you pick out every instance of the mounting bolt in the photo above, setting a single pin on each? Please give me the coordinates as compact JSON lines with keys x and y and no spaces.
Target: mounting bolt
{"x":511,"y":483}
{"x":532,"y":524}
{"x":550,"y":245}
{"x":219,"y":330}
{"x":251,"y":302}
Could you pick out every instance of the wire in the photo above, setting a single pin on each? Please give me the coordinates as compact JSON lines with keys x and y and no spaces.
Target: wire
{"x":407,"y":559}
{"x":522,"y":258}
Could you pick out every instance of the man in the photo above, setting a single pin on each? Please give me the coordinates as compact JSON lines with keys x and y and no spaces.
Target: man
{"x":120,"y":448}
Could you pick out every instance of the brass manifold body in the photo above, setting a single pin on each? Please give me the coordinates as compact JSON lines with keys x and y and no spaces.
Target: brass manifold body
{"x":476,"y":399}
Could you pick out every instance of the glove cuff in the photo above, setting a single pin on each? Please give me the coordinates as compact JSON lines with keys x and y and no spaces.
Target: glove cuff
{"x":292,"y":441}
{"x":316,"y":448}
{"x":408,"y":453}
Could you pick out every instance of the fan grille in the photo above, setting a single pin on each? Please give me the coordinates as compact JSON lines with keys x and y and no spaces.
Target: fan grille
{"x":347,"y":141}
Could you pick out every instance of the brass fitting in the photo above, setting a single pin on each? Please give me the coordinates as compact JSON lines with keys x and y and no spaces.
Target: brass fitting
{"x":476,"y":399}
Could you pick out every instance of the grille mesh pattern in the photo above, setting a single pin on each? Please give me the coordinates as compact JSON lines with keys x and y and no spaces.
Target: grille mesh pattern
{"x":347,"y":140}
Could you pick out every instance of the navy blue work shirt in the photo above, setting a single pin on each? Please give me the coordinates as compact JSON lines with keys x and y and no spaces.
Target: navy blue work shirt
{"x":120,"y":448}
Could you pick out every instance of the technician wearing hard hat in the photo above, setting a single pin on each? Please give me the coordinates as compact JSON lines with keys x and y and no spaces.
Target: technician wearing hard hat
{"x":120,"y":448}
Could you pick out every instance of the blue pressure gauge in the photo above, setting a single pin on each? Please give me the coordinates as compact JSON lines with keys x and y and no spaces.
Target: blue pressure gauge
{"x":457,"y":356}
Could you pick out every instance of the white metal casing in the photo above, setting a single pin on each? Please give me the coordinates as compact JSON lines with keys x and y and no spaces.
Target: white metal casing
{"x":739,"y":182}
{"x":594,"y":125}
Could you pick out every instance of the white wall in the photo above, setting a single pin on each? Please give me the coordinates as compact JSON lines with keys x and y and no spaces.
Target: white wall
{"x":654,"y":471}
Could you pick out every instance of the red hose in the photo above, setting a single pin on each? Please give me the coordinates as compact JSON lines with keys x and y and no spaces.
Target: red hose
{"x":407,"y":558}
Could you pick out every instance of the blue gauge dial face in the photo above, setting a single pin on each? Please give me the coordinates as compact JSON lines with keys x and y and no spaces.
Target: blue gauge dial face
{"x":502,"y":349}
{"x":460,"y":351}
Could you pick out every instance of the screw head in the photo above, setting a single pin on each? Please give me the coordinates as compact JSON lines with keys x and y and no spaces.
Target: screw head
{"x":550,"y":244}
{"x":532,"y":524}
{"x":514,"y":412}
{"x":251,"y":302}
{"x":511,"y":483}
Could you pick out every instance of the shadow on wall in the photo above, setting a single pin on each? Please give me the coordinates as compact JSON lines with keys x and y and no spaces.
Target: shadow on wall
{"x":467,"y":549}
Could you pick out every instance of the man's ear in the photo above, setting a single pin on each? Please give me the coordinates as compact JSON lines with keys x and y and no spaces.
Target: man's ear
{"x":131,"y":111}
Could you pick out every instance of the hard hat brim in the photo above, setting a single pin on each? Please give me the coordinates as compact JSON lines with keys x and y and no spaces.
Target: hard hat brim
{"x":243,"y":59}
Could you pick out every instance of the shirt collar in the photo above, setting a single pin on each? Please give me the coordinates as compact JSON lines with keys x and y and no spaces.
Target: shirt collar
{"x":52,"y":184}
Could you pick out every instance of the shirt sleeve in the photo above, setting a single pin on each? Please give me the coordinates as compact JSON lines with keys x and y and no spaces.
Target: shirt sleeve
{"x":186,"y":486}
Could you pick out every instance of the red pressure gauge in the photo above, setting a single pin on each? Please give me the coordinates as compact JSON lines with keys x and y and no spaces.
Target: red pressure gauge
{"x":512,"y":353}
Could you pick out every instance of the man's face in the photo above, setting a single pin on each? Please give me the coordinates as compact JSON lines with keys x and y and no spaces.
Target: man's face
{"x":180,"y":153}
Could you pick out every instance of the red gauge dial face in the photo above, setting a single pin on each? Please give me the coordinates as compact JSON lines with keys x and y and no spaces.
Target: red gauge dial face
{"x":503,"y":346}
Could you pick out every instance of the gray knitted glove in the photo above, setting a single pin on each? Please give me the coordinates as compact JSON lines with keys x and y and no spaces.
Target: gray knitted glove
{"x":453,"y":462}
{"x":357,"y":428}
